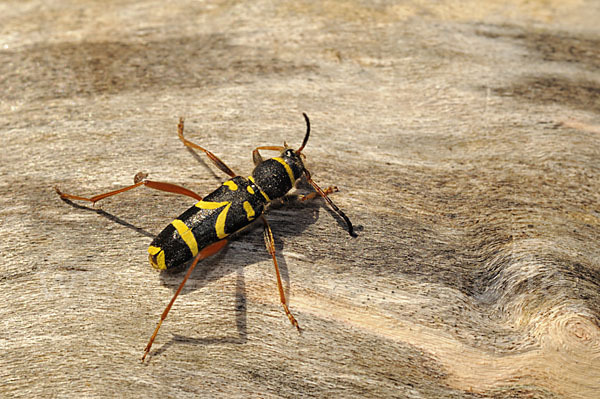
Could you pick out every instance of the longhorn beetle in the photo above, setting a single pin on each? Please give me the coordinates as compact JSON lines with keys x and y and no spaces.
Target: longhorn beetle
{"x":203,"y":229}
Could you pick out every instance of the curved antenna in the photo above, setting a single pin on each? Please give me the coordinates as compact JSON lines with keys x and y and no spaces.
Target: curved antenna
{"x":331,"y":204}
{"x":306,"y":136}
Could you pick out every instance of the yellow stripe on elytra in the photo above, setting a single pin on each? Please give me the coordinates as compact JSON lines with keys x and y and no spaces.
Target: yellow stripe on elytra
{"x":159,"y":263}
{"x":261,"y":191}
{"x":250,"y":190}
{"x":287,"y":169}
{"x":249,"y":210}
{"x":187,"y":235}
{"x":232,"y":186}
{"x":220,"y":225}
{"x":211,"y":205}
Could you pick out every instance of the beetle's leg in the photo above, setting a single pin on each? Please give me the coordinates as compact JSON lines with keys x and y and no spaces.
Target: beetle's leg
{"x":139,"y":180}
{"x":331,"y":204}
{"x":327,"y":191}
{"x":219,"y":164}
{"x":270,"y":243}
{"x":206,"y":252}
{"x":257,"y":158}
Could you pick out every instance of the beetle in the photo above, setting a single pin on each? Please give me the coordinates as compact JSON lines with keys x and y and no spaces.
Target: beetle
{"x":204,"y":228}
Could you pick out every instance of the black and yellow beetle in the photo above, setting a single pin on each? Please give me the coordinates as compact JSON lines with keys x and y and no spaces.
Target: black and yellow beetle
{"x":203,"y":229}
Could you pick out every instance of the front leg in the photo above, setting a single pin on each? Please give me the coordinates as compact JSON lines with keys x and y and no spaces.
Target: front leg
{"x":257,"y":158}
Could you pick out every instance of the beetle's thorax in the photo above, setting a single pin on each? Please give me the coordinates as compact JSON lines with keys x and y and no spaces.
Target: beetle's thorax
{"x":276,"y":176}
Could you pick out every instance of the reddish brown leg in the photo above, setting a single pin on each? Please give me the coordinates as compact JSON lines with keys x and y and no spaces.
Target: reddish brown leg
{"x":206,"y":252}
{"x":168,"y":187}
{"x":327,"y":191}
{"x":270,"y":243}
{"x":257,"y":158}
{"x":219,"y":164}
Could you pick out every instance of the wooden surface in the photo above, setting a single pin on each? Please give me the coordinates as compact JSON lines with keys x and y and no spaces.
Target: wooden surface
{"x":464,"y":138}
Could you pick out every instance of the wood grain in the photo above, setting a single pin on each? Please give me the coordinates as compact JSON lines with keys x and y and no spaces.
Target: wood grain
{"x":464,"y":139}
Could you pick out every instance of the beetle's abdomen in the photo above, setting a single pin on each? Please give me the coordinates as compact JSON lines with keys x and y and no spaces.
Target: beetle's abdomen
{"x":226,"y":210}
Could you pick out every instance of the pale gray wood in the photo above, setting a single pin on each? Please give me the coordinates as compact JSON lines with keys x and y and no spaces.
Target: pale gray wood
{"x":464,"y":139}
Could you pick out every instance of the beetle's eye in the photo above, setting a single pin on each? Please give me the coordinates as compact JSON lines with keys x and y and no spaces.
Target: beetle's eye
{"x":289,"y":153}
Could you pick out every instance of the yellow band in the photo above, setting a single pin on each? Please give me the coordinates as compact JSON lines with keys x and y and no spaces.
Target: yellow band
{"x":287,"y":169}
{"x":249,"y":210}
{"x":159,"y":261}
{"x":232,"y":186}
{"x":261,"y":191}
{"x":187,"y":235}
{"x":220,"y":225}
{"x":211,"y":205}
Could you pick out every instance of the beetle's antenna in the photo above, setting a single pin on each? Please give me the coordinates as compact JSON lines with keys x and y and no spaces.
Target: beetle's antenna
{"x":331,"y":204}
{"x":307,"y":134}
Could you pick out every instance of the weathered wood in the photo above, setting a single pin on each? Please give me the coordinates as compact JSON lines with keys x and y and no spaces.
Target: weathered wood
{"x":464,"y":138}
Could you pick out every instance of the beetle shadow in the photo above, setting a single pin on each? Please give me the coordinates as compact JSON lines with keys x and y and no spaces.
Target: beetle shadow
{"x":109,"y":216}
{"x":240,"y":322}
{"x":304,"y":185}
{"x":201,"y":160}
